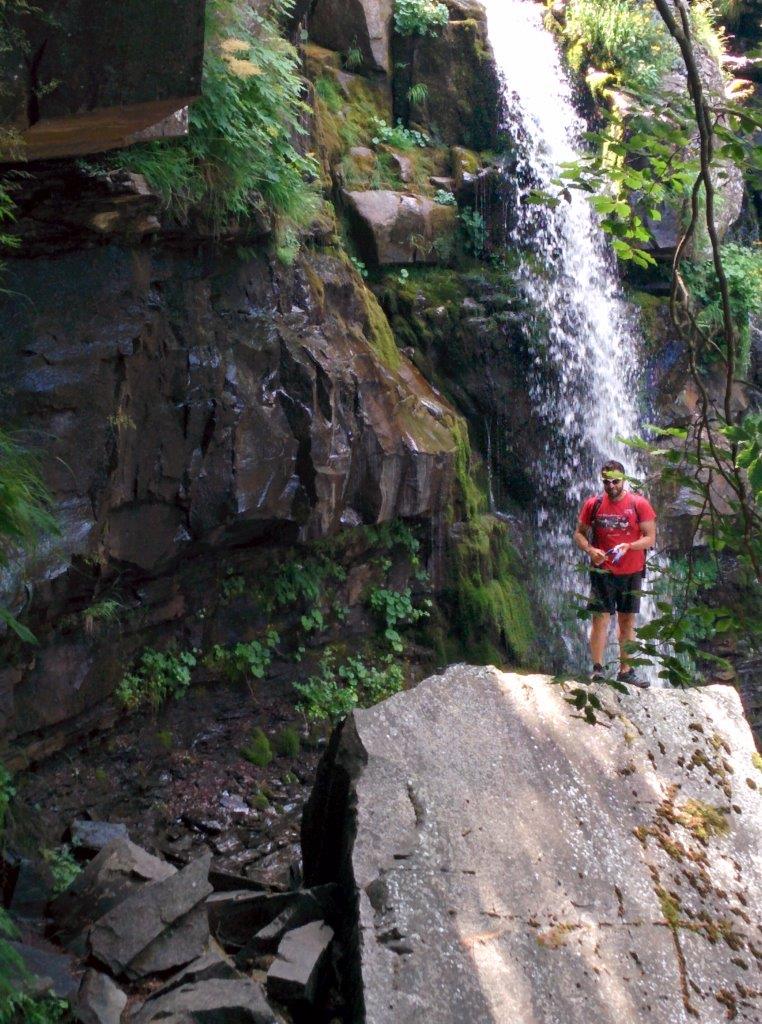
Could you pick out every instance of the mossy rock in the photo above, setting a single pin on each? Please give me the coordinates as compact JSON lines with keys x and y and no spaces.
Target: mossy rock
{"x":489,"y":607}
{"x":464,"y":100}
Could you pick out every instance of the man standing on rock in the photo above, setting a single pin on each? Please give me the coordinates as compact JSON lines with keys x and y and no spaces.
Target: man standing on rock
{"x":615,"y":529}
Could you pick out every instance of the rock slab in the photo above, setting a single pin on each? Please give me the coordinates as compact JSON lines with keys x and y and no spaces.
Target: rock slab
{"x":511,"y":862}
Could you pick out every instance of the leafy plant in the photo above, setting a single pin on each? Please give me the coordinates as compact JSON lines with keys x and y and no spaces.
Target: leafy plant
{"x":158,"y":676}
{"x":445,"y":198}
{"x":25,"y":512}
{"x":359,"y":266}
{"x":239,"y":154}
{"x":63,"y":867}
{"x":353,"y":58}
{"x":625,"y":36}
{"x":399,"y":136}
{"x":743,"y":270}
{"x":258,"y":750}
{"x":324,"y":696}
{"x":475,"y":231}
{"x":232,"y":587}
{"x":419,"y":17}
{"x":418,"y":93}
{"x":245,"y":661}
{"x":334,"y":692}
{"x":395,"y":608}
{"x":7,"y":792}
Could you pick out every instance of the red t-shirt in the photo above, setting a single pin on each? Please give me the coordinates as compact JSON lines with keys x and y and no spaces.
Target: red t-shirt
{"x":618,"y":522}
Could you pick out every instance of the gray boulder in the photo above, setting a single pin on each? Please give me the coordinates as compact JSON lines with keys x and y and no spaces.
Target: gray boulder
{"x":213,"y":1001}
{"x":365,"y":24}
{"x":99,"y":1000}
{"x":92,"y":836}
{"x":513,"y":863}
{"x":118,"y":870}
{"x":307,"y":905}
{"x":44,"y":971}
{"x":295,"y":974}
{"x":235,"y":917}
{"x":397,"y":228}
{"x":160,"y":926}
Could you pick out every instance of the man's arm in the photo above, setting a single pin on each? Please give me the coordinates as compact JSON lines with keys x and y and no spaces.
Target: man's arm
{"x":647,"y":538}
{"x":580,"y":539}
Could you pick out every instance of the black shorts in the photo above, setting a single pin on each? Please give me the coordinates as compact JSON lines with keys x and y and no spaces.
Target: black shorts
{"x":610,"y":593}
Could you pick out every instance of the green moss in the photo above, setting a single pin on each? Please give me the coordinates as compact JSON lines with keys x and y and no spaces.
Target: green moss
{"x":670,"y":907}
{"x":287,"y":742}
{"x":490,"y":610}
{"x":379,"y":332}
{"x":703,"y":820}
{"x":472,"y":499}
{"x":260,"y":801}
{"x":258,"y":751}
{"x":756,"y":760}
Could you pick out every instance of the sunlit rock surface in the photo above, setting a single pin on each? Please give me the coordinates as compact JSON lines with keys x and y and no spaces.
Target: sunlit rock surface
{"x":512,"y":862}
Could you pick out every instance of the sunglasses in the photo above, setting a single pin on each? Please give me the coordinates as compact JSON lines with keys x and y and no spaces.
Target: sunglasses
{"x":613,"y":480}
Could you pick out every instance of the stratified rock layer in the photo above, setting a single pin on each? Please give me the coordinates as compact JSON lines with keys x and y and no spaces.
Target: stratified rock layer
{"x":512,"y":862}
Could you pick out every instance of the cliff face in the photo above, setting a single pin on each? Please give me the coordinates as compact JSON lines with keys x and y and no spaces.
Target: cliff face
{"x":199,"y":403}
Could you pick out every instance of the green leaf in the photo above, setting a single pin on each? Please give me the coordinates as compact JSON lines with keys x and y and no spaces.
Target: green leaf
{"x":21,"y":631}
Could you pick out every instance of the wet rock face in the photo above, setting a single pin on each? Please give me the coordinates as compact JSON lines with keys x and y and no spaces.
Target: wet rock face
{"x":511,"y":862}
{"x":464,"y":100}
{"x":366,"y":24}
{"x":184,"y":403}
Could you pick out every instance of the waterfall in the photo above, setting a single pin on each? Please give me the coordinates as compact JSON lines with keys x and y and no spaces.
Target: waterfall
{"x":582,"y":338}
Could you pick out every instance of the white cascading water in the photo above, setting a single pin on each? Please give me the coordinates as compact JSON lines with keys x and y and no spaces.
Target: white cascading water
{"x":584,"y":341}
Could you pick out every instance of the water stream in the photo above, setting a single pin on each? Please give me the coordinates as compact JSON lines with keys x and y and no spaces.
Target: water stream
{"x":583,"y":339}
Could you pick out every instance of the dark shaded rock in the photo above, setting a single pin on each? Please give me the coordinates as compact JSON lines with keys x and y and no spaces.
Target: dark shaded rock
{"x":118,"y":870}
{"x":267,"y":403}
{"x":280,"y":869}
{"x":365,"y":24}
{"x":465,"y":99}
{"x":99,"y":1000}
{"x":213,"y":1001}
{"x":228,"y":881}
{"x":92,"y":836}
{"x":493,"y":879}
{"x":180,"y":942}
{"x":235,"y":917}
{"x":155,"y":928}
{"x":31,"y":891}
{"x":211,"y":965}
{"x":395,"y":227}
{"x":115,"y":73}
{"x":49,"y":972}
{"x":307,"y":905}
{"x":295,"y":974}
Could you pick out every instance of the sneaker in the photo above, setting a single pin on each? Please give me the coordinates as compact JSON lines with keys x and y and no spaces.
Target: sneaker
{"x":597,"y":675}
{"x":631,"y":679}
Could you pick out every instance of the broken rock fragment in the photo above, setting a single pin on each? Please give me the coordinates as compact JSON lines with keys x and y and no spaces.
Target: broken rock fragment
{"x":155,"y":928}
{"x":99,"y":1000}
{"x":214,"y":1001}
{"x":295,"y":974}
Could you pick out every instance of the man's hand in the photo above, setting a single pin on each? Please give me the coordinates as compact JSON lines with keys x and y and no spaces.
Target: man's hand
{"x":597,"y":557}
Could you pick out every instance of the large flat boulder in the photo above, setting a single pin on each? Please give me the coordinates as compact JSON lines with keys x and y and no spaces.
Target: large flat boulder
{"x":397,"y":228}
{"x":510,"y":862}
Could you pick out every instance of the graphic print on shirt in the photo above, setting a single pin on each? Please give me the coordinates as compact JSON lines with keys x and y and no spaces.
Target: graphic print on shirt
{"x":622,"y":522}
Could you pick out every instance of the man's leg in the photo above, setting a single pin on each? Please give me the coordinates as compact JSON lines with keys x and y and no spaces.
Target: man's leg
{"x":598,"y":633}
{"x":626,"y":629}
